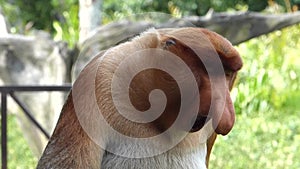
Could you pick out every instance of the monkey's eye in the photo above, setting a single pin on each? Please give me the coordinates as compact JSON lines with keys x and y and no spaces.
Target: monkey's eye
{"x":170,"y":42}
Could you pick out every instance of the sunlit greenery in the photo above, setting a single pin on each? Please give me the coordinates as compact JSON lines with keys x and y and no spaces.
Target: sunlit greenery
{"x":59,"y":18}
{"x":19,"y":155}
{"x":272,"y":69}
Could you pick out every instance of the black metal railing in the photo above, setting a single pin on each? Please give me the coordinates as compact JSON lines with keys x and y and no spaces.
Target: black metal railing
{"x":7,"y":91}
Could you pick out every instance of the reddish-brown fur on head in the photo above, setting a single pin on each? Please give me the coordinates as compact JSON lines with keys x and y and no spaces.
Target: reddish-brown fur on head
{"x":182,"y":43}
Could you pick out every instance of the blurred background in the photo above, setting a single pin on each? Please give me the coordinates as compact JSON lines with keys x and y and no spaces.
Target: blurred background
{"x":266,"y":94}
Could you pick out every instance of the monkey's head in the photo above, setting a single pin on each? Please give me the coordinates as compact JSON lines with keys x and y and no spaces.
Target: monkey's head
{"x":214,"y":63}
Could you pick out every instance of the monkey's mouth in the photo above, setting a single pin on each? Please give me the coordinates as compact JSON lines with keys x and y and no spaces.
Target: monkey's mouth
{"x":198,"y":124}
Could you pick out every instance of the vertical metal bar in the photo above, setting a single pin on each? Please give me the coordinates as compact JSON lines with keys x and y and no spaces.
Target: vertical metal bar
{"x":5,"y":91}
{"x":4,"y":129}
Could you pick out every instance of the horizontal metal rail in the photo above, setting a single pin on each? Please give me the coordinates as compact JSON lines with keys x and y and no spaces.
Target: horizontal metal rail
{"x":10,"y":91}
{"x":35,"y":88}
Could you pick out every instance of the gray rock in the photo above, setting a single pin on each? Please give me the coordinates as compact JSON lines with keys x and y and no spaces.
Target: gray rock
{"x":33,"y":60}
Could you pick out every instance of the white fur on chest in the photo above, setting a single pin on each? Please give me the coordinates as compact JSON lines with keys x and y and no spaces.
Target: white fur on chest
{"x":173,"y":159}
{"x":189,"y":154}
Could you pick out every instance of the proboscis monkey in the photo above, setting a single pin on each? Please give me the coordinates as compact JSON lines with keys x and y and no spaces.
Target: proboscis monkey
{"x":157,"y":101}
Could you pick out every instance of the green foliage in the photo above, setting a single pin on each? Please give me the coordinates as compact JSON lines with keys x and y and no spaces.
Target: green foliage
{"x":19,"y":155}
{"x":257,"y":5}
{"x":21,"y":12}
{"x":114,"y":9}
{"x":60,"y":18}
{"x":67,"y":27}
{"x":39,"y":12}
{"x":271,"y":69}
{"x":260,"y":141}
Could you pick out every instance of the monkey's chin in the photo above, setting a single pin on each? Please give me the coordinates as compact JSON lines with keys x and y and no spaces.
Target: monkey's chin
{"x":198,"y":124}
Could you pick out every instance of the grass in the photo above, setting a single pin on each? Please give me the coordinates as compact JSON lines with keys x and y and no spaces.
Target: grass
{"x":19,"y":154}
{"x":269,"y":140}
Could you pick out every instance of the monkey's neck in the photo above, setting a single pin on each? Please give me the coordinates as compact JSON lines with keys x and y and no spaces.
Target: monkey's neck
{"x":70,"y":146}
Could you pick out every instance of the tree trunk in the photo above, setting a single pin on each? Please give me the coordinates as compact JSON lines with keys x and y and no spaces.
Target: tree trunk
{"x":89,"y":17}
{"x":33,"y":60}
{"x":3,"y":27}
{"x":236,"y":27}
